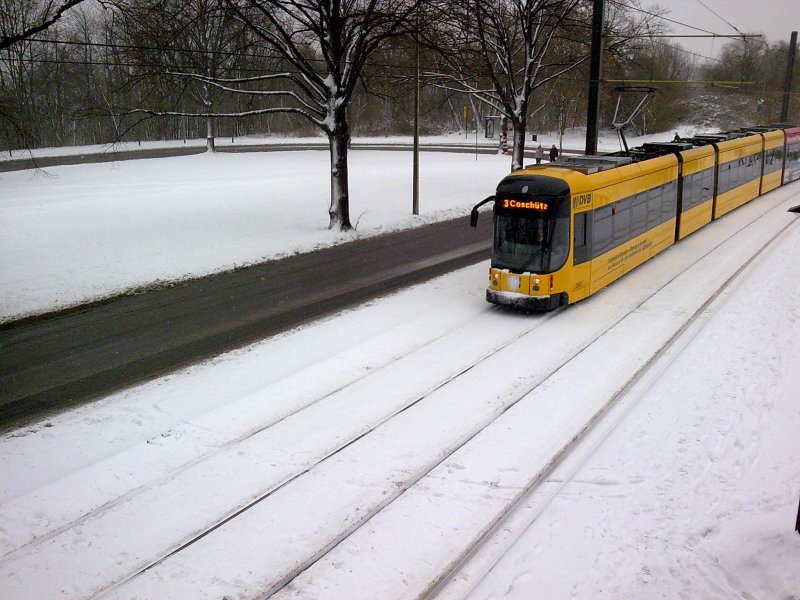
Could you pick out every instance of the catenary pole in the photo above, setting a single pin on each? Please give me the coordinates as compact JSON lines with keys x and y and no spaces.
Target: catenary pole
{"x":787,"y":84}
{"x":797,"y":524}
{"x":595,"y":71}
{"x":415,"y":201}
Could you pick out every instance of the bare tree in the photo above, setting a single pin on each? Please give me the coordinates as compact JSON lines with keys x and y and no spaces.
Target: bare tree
{"x":20,"y":79}
{"x":199,"y":38}
{"x":327,"y":43}
{"x":509,"y":54}
{"x":512,"y":43}
{"x":21,"y":21}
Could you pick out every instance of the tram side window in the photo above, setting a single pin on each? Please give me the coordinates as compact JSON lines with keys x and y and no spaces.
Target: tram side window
{"x":697,"y":188}
{"x":739,"y":172}
{"x":736,"y":174}
{"x":692,"y":190}
{"x":750,"y":168}
{"x":792,"y":166}
{"x":653,"y":208}
{"x":581,"y":249}
{"x":669,"y":201}
{"x":793,"y":154}
{"x":688,"y":191}
{"x":602,"y":231}
{"x":772,"y":160}
{"x":724,"y":177}
{"x":638,"y":214}
{"x":622,"y":221}
{"x":708,"y":184}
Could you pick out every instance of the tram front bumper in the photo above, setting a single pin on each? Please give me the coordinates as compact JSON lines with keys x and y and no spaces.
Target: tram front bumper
{"x":525,"y":302}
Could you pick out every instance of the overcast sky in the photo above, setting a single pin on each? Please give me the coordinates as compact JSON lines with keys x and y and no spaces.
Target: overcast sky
{"x":775,"y":19}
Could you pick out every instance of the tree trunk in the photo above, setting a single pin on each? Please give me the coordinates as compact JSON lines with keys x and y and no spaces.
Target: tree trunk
{"x":339,"y":140}
{"x":520,"y":122}
{"x":210,"y":134}
{"x":209,"y":121}
{"x":518,"y":150}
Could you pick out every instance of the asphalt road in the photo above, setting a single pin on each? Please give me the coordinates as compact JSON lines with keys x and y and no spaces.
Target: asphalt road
{"x":69,"y":358}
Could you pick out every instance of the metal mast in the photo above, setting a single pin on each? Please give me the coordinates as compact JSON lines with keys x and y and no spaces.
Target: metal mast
{"x":595,"y":71}
{"x":787,"y":85}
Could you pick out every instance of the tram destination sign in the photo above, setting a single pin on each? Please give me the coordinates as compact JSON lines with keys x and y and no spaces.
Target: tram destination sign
{"x":536,"y":205}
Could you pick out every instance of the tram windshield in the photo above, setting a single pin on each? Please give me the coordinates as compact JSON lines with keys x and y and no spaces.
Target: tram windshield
{"x":536,"y":243}
{"x":531,"y":224}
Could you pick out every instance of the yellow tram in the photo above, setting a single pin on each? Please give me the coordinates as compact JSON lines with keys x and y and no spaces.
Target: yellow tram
{"x":566,"y":230}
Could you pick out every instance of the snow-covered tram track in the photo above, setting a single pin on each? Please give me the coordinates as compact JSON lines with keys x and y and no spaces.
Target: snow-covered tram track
{"x":335,"y":523}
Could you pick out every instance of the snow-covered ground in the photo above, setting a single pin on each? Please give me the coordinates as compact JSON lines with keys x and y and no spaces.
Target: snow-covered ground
{"x":373,"y":453}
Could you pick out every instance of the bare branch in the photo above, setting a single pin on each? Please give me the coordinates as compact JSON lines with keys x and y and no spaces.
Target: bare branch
{"x":45,"y":20}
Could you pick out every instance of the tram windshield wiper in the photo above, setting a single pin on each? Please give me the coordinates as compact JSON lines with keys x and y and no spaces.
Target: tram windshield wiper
{"x":545,"y":245}
{"x":531,"y":259}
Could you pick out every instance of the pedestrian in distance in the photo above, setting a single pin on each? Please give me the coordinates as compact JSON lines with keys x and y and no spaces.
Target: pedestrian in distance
{"x":553,"y":153}
{"x":539,"y":155}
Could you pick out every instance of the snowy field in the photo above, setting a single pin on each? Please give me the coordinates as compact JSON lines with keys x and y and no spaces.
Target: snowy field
{"x":411,"y":445}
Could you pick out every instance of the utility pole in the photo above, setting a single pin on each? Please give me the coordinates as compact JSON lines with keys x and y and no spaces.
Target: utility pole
{"x":415,"y":196}
{"x":787,"y":84}
{"x":797,"y":524}
{"x":595,"y":72}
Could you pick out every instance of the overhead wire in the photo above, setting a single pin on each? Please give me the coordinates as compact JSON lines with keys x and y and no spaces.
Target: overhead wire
{"x":679,"y":48}
{"x":101,"y":63}
{"x":250,"y":69}
{"x":621,"y":4}
{"x":704,"y":5}
{"x":234,"y":54}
